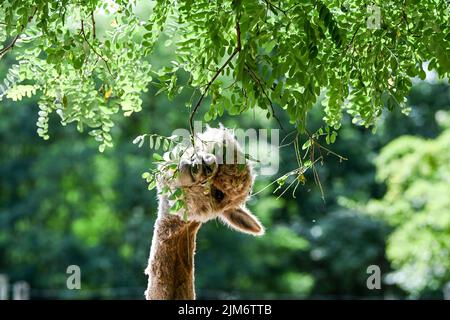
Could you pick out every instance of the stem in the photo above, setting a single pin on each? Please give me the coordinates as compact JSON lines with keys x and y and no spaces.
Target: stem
{"x":93,"y":49}
{"x":93,"y":25}
{"x":259,"y":82}
{"x":13,"y":42}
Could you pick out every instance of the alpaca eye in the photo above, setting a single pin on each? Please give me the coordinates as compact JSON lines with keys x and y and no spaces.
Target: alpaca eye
{"x":209,"y":169}
{"x":217,"y":194}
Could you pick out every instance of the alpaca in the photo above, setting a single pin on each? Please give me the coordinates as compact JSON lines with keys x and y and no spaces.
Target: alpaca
{"x":213,"y":187}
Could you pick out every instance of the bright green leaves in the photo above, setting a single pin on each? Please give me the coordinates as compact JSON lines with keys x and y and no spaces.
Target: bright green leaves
{"x":42,"y":122}
{"x":177,"y":206}
{"x":77,"y":61}
{"x":84,"y":74}
{"x":179,"y":203}
{"x":156,"y":142}
{"x":165,"y":168}
{"x":331,"y":137}
{"x":150,"y":179}
{"x":17,"y":92}
{"x":285,"y":56}
{"x":327,"y":18}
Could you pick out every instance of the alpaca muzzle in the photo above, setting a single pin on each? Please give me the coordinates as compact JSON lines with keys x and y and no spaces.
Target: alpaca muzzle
{"x":197,"y":170}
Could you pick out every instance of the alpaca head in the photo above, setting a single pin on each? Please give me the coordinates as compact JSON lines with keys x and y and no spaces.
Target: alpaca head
{"x":217,"y":180}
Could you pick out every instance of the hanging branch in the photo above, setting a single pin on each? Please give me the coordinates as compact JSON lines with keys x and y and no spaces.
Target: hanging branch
{"x":93,"y":25}
{"x":320,"y":146}
{"x":235,"y":52}
{"x":310,"y":152}
{"x":93,"y":49}
{"x":261,"y":85}
{"x":13,"y":42}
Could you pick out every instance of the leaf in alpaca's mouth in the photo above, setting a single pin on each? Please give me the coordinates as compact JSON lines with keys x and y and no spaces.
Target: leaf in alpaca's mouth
{"x":217,"y":194}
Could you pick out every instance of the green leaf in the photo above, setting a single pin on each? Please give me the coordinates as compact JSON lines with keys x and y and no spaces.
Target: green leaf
{"x":166,"y":144}
{"x":146,"y":175}
{"x":157,"y":157}
{"x":333,"y":137}
{"x":152,"y":185}
{"x":157,"y":142}
{"x":151,"y":142}
{"x":306,"y":145}
{"x":307,"y":164}
{"x":77,"y":62}
{"x":179,"y":204}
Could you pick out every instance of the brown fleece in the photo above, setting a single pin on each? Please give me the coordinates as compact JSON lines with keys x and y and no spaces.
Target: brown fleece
{"x":171,"y":268}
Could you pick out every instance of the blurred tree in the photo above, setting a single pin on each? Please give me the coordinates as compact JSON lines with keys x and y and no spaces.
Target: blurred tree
{"x":417,"y":204}
{"x":355,"y":179}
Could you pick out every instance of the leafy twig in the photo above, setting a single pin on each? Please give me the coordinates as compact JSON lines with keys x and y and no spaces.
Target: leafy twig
{"x":13,"y":42}
{"x":261,"y":85}
{"x":329,"y":151}
{"x":235,"y":52}
{"x":311,"y":149}
{"x":93,"y":49}
{"x":288,"y":135}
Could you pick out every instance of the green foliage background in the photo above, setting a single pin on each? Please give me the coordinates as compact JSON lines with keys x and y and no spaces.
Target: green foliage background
{"x":62,"y":202}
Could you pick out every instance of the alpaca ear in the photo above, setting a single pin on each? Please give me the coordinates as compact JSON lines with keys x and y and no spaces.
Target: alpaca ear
{"x":242,"y":220}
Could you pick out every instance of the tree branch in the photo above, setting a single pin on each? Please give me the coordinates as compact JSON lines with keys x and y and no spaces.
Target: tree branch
{"x":93,"y":49}
{"x":258,"y":81}
{"x":275,"y":7}
{"x":353,"y":38}
{"x":9,"y":46}
{"x":320,"y":146}
{"x":93,"y":25}
{"x":235,"y":52}
{"x":13,"y":42}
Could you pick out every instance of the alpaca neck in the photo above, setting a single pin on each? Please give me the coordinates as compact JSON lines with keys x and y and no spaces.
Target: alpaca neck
{"x":171,"y":262}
